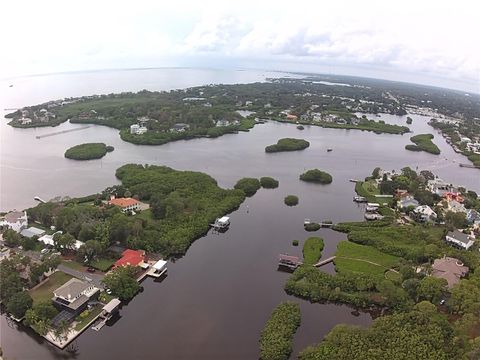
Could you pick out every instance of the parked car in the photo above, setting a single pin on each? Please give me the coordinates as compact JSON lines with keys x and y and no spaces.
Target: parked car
{"x":44,"y":251}
{"x":91,"y":269}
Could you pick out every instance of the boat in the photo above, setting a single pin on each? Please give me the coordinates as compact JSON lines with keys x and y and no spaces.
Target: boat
{"x":329,"y":149}
{"x":354,"y":180}
{"x":360,"y":199}
{"x":221,"y":223}
{"x":306,"y":222}
{"x":11,"y":85}
{"x":369,"y":216}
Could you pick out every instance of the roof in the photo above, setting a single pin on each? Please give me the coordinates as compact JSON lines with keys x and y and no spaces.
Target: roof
{"x":224,"y":219}
{"x":112,"y":305}
{"x":425,"y":210}
{"x":180,"y":125}
{"x":15,"y":216}
{"x":459,"y":236}
{"x":123,"y":202}
{"x":131,"y":257}
{"x":288,"y":258}
{"x":159,"y":264}
{"x":408,"y":202}
{"x":71,"y":289}
{"x":32,"y":231}
{"x":450,"y":269}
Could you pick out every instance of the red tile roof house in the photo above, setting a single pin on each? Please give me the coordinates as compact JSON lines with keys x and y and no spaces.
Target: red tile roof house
{"x":131,"y":257}
{"x":127,"y":204}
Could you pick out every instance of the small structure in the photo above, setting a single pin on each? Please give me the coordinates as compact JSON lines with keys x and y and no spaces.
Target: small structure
{"x":138,"y":129}
{"x":372,"y":207}
{"x":408,"y":202}
{"x":15,"y":220}
{"x":450,"y":269}
{"x":180,"y":127}
{"x":73,"y":296}
{"x":111,"y":308}
{"x":292,"y":117}
{"x":456,"y":207}
{"x":4,"y":253}
{"x":221,"y":223}
{"x":473,"y":217}
{"x":222,"y":122}
{"x":32,"y":231}
{"x":131,"y":257}
{"x":400,"y":193}
{"x":459,"y":239}
{"x":424,"y":213}
{"x":126,"y":204}
{"x":373,"y":216}
{"x":158,"y":269}
{"x":288,"y":261}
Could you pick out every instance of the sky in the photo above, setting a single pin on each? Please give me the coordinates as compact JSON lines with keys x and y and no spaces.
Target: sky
{"x":421,"y":41}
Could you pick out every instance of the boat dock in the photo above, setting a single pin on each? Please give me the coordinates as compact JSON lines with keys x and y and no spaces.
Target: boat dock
{"x":62,"y":132}
{"x":324,"y":262}
{"x":470,"y":166}
{"x":288,"y":261}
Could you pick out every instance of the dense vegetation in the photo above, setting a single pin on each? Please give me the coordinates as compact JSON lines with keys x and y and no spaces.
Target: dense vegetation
{"x":248,"y":185}
{"x":88,"y":151}
{"x":287,"y":144}
{"x":277,"y":336}
{"x":367,"y":125}
{"x":312,"y":250}
{"x":312,"y":226}
{"x":423,"y":142}
{"x":291,"y":200}
{"x":316,"y":176}
{"x":122,"y":282}
{"x":182,"y":205}
{"x":268,"y":182}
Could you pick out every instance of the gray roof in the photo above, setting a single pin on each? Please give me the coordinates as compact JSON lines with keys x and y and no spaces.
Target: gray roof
{"x":32,"y":231}
{"x":457,"y":235}
{"x":71,"y":289}
{"x":14,"y":216}
{"x":112,"y":305}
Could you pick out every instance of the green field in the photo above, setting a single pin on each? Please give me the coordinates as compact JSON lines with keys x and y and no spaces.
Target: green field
{"x":351,"y":257}
{"x":102,"y":264}
{"x":45,"y":291}
{"x":312,"y":250}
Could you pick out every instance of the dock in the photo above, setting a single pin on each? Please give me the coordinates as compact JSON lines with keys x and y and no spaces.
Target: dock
{"x":62,"y":132}
{"x":470,"y":166}
{"x":288,"y":261}
{"x":324,"y":262}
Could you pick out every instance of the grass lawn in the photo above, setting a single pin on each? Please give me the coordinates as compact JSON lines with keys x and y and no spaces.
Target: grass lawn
{"x":45,"y":291}
{"x":105,"y":298}
{"x":312,"y":250}
{"x":73,"y":265}
{"x":394,"y":276}
{"x":92,"y":313}
{"x":102,"y":264}
{"x":369,"y":189}
{"x":364,"y":259}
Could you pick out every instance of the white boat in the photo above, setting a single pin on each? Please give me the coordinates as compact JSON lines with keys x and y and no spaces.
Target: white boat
{"x":222,"y":223}
{"x":306,"y":222}
{"x":360,"y":199}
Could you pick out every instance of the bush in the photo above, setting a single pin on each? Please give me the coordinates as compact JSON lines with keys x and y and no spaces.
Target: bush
{"x":291,"y":200}
{"x":248,"y":185}
{"x":268,"y":182}
{"x":312,"y":227}
{"x":110,"y":148}
{"x":316,"y":176}
{"x":295,"y":242}
{"x":288,"y":144}
{"x":312,"y":250}
{"x":277,"y":336}
{"x":87,"y":151}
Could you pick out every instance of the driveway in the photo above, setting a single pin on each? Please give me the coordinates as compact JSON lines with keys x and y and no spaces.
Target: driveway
{"x":94,"y":278}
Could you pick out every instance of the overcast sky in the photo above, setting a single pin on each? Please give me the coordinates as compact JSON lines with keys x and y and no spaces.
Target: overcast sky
{"x":423,"y":41}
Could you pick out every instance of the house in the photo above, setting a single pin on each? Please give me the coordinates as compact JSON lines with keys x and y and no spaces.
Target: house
{"x":126,"y":204}
{"x":438,"y":186}
{"x":451,"y":195}
{"x":450,"y":269}
{"x":220,"y":123}
{"x":138,"y":129}
{"x":48,"y":240}
{"x":407,"y":202}
{"x":131,"y":257}
{"x":459,"y":239}
{"x":74,"y":295}
{"x":424,"y":213}
{"x":473,"y":217}
{"x":456,"y":207}
{"x":180,"y":127}
{"x":32,"y":231}
{"x":15,"y":220}
{"x":400,"y":194}
{"x":292,"y":117}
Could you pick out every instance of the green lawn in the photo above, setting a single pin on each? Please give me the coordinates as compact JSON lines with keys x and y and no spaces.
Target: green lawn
{"x":102,"y":264}
{"x":312,"y":250}
{"x":45,"y":291}
{"x":351,"y":257}
{"x":92,"y":313}
{"x":73,"y":265}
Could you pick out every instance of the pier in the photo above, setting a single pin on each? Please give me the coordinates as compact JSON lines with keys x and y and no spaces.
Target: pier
{"x":61,"y":132}
{"x":324,"y":262}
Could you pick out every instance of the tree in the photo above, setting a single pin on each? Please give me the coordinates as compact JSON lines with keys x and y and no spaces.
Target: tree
{"x":455,"y":220}
{"x":122,"y":282}
{"x":10,"y":284}
{"x":158,"y":207}
{"x":40,"y":315}
{"x":427,"y":175}
{"x":11,"y":238}
{"x":19,"y":303}
{"x":432,"y":289}
{"x":465,"y":297}
{"x":89,"y":251}
{"x":62,"y":330}
{"x":63,"y":242}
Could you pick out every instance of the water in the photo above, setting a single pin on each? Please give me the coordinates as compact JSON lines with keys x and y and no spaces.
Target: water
{"x":216,"y":299}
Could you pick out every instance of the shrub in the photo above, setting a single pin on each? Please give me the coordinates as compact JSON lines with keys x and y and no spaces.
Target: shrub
{"x":110,"y":148}
{"x":291,"y":200}
{"x":312,"y":227}
{"x":268,"y":182}
{"x":312,"y":250}
{"x":316,"y":176}
{"x":248,"y":185}
{"x":295,"y":242}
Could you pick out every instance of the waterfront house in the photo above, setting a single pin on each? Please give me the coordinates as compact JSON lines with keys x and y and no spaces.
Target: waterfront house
{"x":473,"y":217}
{"x":424,"y":213}
{"x":407,"y":202}
{"x":48,"y":240}
{"x":15,"y":220}
{"x":459,"y":239}
{"x":456,"y":207}
{"x":32,"y":231}
{"x":220,"y":123}
{"x":74,"y":295}
{"x":137,"y":129}
{"x":291,"y":117}
{"x":126,"y":204}
{"x":450,"y":269}
{"x":180,"y":127}
{"x":131,"y":258}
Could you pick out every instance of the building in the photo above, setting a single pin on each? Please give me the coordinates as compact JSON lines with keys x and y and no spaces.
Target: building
{"x":459,"y":239}
{"x":48,"y":240}
{"x":438,"y":186}
{"x":137,"y":129}
{"x":473,"y":217}
{"x":456,"y":207}
{"x":424,"y":213}
{"x":450,"y":269}
{"x":407,"y":202}
{"x":401,"y":194}
{"x":292,"y":117}
{"x":74,"y":295}
{"x":220,"y":123}
{"x":32,"y":231}
{"x":180,"y":127}
{"x":126,"y":204}
{"x":15,"y":220}
{"x":131,"y":257}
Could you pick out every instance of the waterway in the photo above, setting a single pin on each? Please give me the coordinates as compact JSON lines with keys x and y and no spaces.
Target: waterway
{"x":216,"y":299}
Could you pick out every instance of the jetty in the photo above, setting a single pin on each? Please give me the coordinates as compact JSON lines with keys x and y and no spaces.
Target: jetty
{"x":471,"y":166}
{"x":324,"y":262}
{"x":39,"y":199}
{"x":62,"y":132}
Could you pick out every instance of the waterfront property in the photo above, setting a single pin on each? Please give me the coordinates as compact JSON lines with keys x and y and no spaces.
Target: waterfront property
{"x":137,"y":129}
{"x":450,"y":269}
{"x":424,"y":213}
{"x":288,"y":261}
{"x":73,"y":296}
{"x":459,"y":239}
{"x":221,"y":223}
{"x":31,"y":232}
{"x":126,"y":204}
{"x":132,"y":258}
{"x":408,"y":202}
{"x":158,"y":269}
{"x":15,"y":220}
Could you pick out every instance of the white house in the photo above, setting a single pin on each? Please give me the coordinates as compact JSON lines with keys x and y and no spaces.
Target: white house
{"x":137,"y":129}
{"x":48,"y":240}
{"x":456,"y":207}
{"x":15,"y":220}
{"x":74,"y":295}
{"x":424,"y":213}
{"x":460,"y":239}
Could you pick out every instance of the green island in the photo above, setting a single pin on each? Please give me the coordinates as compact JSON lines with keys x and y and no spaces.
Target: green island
{"x":287,"y":144}
{"x":249,"y":186}
{"x":312,"y":226}
{"x":277,"y":336}
{"x":88,"y":151}
{"x":316,"y":176}
{"x":291,"y":200}
{"x":423,"y":142}
{"x":312,"y":250}
{"x":268,"y":182}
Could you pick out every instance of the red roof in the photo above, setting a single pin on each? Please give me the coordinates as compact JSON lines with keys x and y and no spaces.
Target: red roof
{"x":123,"y":202}
{"x":130,"y":257}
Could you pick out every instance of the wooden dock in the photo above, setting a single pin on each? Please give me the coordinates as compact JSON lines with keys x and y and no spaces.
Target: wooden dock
{"x":62,"y":132}
{"x":324,"y":262}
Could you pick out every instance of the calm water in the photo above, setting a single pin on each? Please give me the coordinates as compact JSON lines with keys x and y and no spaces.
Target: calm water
{"x":216,"y":299}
